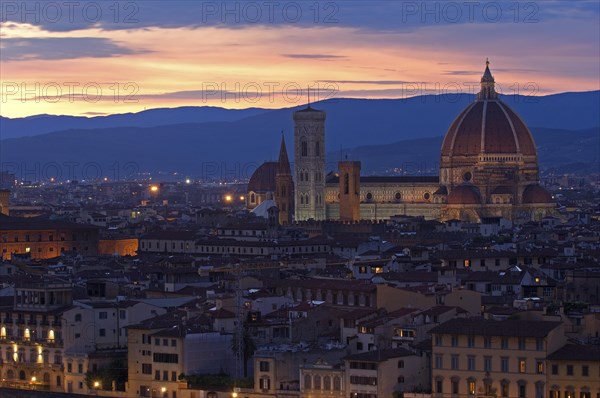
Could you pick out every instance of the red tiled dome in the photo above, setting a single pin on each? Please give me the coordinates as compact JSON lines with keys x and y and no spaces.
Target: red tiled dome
{"x":263,"y":179}
{"x":464,"y":195}
{"x":536,"y":194}
{"x":488,"y":126}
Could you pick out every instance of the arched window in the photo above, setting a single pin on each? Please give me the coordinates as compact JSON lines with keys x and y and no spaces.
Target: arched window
{"x":337,"y":383}
{"x":317,"y":380}
{"x":307,"y":382}
{"x":307,"y":199}
{"x":212,"y":394}
{"x":252,"y":198}
{"x":326,"y":383}
{"x":317,"y":149}
{"x":303,"y":147}
{"x":46,"y":378}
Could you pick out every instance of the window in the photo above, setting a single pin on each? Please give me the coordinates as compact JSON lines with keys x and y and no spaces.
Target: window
{"x":400,"y":364}
{"x":439,"y":361}
{"x":122,"y":314}
{"x":454,"y":385}
{"x":165,"y":342}
{"x":521,"y":343}
{"x":77,"y":317}
{"x":147,"y":368}
{"x":69,"y":367}
{"x":487,"y":342}
{"x":504,"y":364}
{"x":304,"y":147}
{"x":554,"y":369}
{"x":165,"y":375}
{"x":585,"y":370}
{"x":504,"y":343}
{"x":103,"y":315}
{"x":438,"y":339}
{"x":264,"y":366}
{"x":569,"y":370}
{"x":539,"y":367}
{"x":438,"y":386}
{"x":454,"y":362}
{"x":522,"y":368}
{"x":265,"y":383}
{"x":400,"y":379}
{"x":454,"y":341}
{"x":471,"y":387}
{"x":317,"y":149}
{"x":102,"y":332}
{"x":504,"y":389}
{"x":165,"y":358}
{"x":539,"y":344}
{"x":307,"y":382}
{"x":471,"y":362}
{"x":487,"y":364}
{"x":80,"y":368}
{"x":173,"y":343}
{"x":471,"y":341}
{"x":522,"y":390}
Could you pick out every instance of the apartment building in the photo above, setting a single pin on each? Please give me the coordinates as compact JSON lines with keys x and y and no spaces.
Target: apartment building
{"x":574,"y":372}
{"x":479,"y":357}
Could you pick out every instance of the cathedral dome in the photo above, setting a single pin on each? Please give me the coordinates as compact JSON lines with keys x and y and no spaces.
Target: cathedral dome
{"x":536,"y":194}
{"x":464,"y":195}
{"x":263,"y":178}
{"x":488,"y":126}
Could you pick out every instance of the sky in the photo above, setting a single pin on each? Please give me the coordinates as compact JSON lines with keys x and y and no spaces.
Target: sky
{"x":89,"y":58}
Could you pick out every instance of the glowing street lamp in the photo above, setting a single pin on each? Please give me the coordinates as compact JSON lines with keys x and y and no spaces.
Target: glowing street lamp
{"x":154,"y":188}
{"x":228,"y":198}
{"x":96,"y":385}
{"x":33,"y":379}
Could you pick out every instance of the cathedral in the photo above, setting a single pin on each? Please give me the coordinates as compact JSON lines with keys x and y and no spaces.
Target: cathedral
{"x":488,"y":168}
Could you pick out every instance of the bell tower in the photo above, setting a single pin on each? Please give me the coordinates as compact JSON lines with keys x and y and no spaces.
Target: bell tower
{"x":309,"y":167}
{"x":284,"y":186}
{"x":349,"y":190}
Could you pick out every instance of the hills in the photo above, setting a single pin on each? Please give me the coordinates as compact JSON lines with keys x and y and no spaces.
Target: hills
{"x":219,"y":143}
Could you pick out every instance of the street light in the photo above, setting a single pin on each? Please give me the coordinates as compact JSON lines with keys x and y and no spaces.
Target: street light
{"x":96,"y":385}
{"x":33,"y":379}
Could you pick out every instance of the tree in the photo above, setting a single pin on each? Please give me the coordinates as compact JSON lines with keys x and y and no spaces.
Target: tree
{"x":116,"y":371}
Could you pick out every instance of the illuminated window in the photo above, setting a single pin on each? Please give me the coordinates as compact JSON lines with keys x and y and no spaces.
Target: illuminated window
{"x":471,"y":387}
{"x":467,"y":263}
{"x":522,"y":366}
{"x":539,"y":367}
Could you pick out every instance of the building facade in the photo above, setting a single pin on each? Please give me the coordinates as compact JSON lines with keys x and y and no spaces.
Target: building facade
{"x":477,"y":357}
